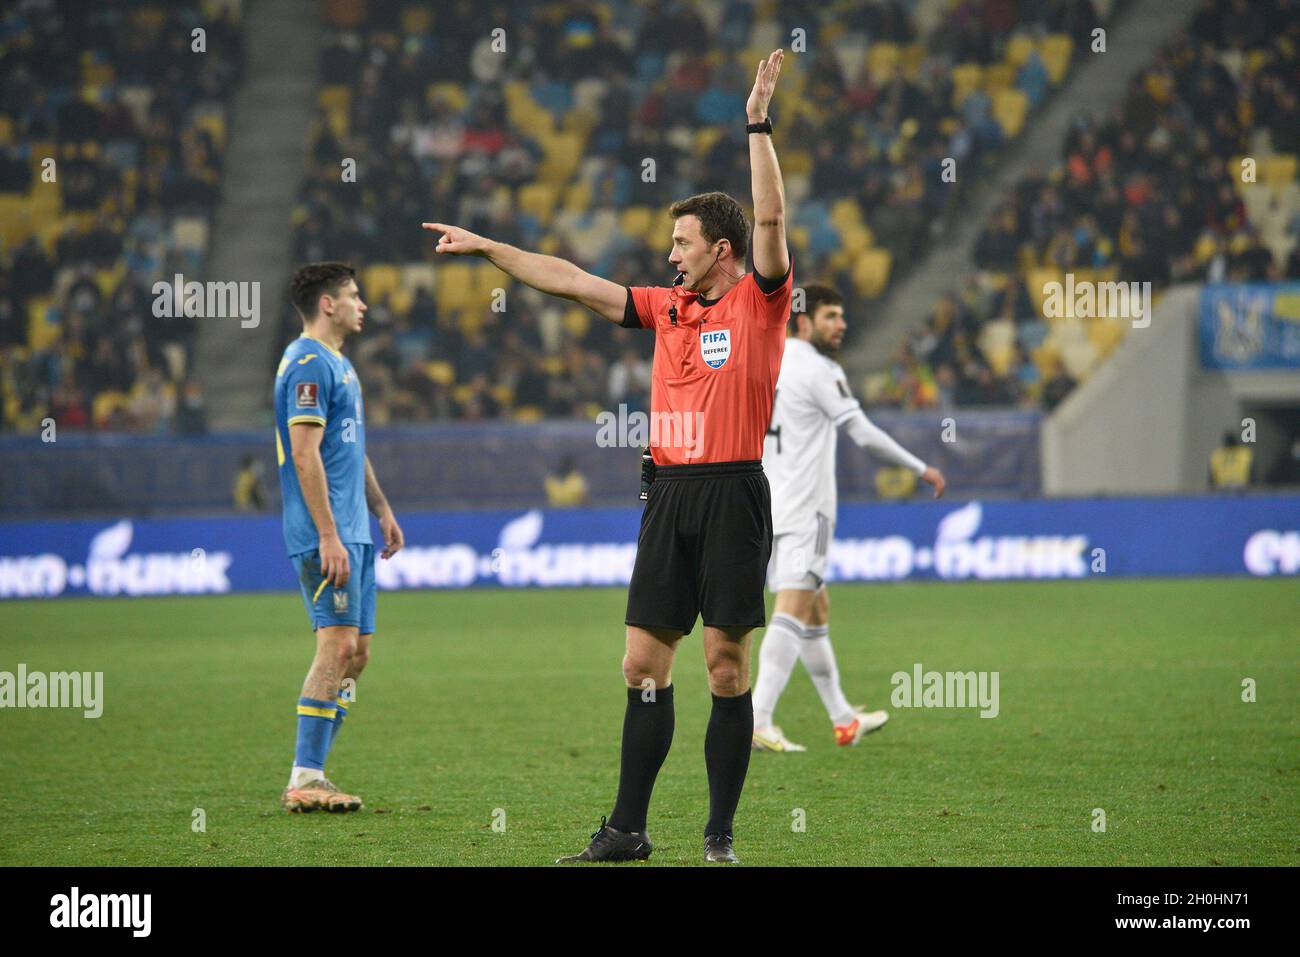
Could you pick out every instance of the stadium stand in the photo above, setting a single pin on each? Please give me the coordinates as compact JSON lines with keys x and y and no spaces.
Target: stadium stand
{"x":112,"y":131}
{"x":548,"y":148}
{"x":1154,"y":192}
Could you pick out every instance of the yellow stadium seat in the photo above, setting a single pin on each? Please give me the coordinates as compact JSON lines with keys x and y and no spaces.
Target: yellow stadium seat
{"x":455,"y":285}
{"x":338,"y":121}
{"x":537,"y":199}
{"x":107,"y":279}
{"x":856,"y":238}
{"x":1019,"y":47}
{"x":1256,"y":59}
{"x":845,"y":212}
{"x":334,"y":96}
{"x":106,"y":403}
{"x":576,"y":322}
{"x":705,"y":138}
{"x":1009,"y":109}
{"x":636,"y":220}
{"x":1045,"y":358}
{"x":453,"y":93}
{"x":400,"y":299}
{"x":1056,"y":49}
{"x":99,"y":74}
{"x":526,"y":413}
{"x":1000,"y":358}
{"x":41,"y":333}
{"x":842,"y":259}
{"x":579,"y":120}
{"x":440,"y":371}
{"x":467,"y":321}
{"x":999,"y":76}
{"x":214,"y":124}
{"x":15,"y":219}
{"x":1105,"y":334}
{"x":378,"y":281}
{"x":578,"y":197}
{"x":913,"y":57}
{"x":487,"y":280}
{"x":48,"y":234}
{"x":871,"y":272}
{"x":796,"y":162}
{"x":882,"y":58}
{"x":1278,"y":169}
{"x":966,"y":79}
{"x":563,"y":154}
{"x":798,"y":237}
{"x":1035,"y":280}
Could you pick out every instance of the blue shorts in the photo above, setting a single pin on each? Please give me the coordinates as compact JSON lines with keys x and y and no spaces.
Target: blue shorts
{"x":353,"y":604}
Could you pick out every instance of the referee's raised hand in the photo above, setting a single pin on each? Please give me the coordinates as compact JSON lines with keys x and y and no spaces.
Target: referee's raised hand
{"x":764,"y":84}
{"x":459,"y":242}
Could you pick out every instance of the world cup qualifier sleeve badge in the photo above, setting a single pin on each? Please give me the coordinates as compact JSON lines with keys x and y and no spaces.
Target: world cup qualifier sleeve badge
{"x":715,"y":347}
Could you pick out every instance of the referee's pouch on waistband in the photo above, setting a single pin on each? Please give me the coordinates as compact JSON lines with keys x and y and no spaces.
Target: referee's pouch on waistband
{"x":647,"y":473}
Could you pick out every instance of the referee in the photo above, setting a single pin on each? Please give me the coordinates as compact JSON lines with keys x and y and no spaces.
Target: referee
{"x":706,"y":532}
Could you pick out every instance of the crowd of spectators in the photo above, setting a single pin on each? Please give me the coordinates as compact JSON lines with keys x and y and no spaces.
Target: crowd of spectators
{"x":1151,"y":192}
{"x":424,"y":103}
{"x":112,"y":127}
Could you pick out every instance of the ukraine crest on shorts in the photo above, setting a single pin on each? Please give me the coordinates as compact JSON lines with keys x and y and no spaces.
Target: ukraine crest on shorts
{"x":340,"y":602}
{"x":715,"y":347}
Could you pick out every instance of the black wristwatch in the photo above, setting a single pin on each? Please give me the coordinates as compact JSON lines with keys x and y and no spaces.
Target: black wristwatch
{"x":764,"y":127}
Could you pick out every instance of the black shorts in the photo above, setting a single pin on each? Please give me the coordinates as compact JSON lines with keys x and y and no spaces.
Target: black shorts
{"x":705,"y":540}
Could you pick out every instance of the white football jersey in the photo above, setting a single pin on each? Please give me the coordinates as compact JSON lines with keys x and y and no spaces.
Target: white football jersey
{"x":812,"y":401}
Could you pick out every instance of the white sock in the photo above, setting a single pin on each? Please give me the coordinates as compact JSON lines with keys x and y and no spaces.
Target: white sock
{"x":300,"y":776}
{"x":776,"y":661}
{"x":819,"y":658}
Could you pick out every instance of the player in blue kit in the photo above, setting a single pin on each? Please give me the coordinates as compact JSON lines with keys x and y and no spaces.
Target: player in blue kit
{"x":327,"y":484}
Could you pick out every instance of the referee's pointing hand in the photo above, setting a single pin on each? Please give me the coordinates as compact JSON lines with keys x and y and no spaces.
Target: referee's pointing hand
{"x":457,"y":241}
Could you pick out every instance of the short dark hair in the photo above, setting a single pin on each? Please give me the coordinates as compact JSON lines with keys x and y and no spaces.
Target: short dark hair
{"x":720,"y":218}
{"x":314,"y":280}
{"x":814,"y":297}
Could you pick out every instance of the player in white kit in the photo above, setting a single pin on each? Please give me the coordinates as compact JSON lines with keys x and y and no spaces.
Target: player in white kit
{"x":811,"y":405}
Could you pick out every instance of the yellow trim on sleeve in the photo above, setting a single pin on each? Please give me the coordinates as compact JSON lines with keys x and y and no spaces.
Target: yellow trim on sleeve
{"x":317,"y":712}
{"x":316,"y":419}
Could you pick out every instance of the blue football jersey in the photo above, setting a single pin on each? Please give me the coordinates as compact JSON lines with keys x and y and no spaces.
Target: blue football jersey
{"x":314,"y":383}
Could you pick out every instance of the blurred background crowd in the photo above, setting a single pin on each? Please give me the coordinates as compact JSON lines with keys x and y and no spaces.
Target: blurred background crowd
{"x":574,"y":142}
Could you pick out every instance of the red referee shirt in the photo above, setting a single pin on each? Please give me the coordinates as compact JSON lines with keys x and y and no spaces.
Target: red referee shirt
{"x":715,"y":369}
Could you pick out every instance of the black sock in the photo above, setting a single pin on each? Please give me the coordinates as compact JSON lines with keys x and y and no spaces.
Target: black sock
{"x":647,"y":736}
{"x":726,"y":755}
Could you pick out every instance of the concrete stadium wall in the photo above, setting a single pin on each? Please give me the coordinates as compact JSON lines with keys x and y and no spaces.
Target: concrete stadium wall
{"x":1148,"y":419}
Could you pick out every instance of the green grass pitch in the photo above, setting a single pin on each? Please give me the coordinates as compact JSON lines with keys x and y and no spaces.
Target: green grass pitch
{"x":1119,"y":695}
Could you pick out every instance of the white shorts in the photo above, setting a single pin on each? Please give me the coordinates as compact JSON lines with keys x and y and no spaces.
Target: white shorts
{"x":799,"y":558}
